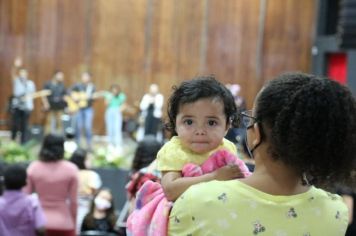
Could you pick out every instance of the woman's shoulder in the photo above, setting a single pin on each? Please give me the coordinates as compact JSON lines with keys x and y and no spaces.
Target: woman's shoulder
{"x":323,"y":196}
{"x":37,"y":164}
{"x":69,"y":166}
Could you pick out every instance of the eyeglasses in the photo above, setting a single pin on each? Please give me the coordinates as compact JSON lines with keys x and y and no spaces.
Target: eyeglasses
{"x":246,"y":119}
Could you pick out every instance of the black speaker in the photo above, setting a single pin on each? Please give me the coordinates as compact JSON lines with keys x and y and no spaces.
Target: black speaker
{"x":346,"y":30}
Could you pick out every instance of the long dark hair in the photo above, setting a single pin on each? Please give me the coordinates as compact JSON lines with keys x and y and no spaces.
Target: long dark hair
{"x":52,"y":148}
{"x":78,"y":158}
{"x":145,"y":153}
{"x":89,"y":219}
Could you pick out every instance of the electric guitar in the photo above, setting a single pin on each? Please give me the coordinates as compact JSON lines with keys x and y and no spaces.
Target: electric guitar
{"x":19,"y":102}
{"x":78,"y":100}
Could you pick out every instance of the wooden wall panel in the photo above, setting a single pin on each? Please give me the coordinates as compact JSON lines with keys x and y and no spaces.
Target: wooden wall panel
{"x":232,"y":42}
{"x":176,"y":40}
{"x":118,"y":52}
{"x":136,"y":43}
{"x":288,"y":36}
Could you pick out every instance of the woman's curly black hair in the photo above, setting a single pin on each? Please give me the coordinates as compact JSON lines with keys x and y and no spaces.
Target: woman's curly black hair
{"x":198,"y":88}
{"x":312,"y":123}
{"x":52,"y":148}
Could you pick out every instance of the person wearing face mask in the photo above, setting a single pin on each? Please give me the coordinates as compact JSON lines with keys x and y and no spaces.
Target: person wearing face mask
{"x":301,"y":134}
{"x":101,"y":217}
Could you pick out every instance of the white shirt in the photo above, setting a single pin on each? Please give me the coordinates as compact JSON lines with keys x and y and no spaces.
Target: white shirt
{"x":158,"y":104}
{"x":24,"y":87}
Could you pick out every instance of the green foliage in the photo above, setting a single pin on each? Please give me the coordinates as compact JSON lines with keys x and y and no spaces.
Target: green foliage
{"x":103,"y":156}
{"x":12,"y":152}
{"x":106,"y":157}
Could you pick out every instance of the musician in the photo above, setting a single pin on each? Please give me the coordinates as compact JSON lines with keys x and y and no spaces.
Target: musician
{"x":54,"y":104}
{"x":22,"y":102}
{"x":84,"y":116}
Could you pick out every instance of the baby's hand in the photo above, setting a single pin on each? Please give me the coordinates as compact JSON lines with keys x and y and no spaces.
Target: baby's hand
{"x":228,"y":172}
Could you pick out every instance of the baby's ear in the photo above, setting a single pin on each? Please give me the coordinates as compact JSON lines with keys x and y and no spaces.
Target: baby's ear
{"x":229,"y":124}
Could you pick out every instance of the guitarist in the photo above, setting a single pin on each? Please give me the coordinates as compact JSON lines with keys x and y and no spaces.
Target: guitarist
{"x":82,"y":94}
{"x":21,"y":105}
{"x":54,"y":104}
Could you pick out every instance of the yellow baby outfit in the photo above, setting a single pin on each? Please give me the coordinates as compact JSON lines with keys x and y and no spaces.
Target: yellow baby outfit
{"x":173,"y":156}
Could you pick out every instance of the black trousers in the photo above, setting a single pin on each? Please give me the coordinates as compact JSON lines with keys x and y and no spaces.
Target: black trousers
{"x":19,"y":123}
{"x":151,"y":123}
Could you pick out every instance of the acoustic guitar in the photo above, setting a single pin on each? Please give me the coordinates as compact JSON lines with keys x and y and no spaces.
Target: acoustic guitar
{"x":19,"y":102}
{"x":78,"y":100}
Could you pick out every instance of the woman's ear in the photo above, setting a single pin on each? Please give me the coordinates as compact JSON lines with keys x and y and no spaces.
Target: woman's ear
{"x":257,"y":134}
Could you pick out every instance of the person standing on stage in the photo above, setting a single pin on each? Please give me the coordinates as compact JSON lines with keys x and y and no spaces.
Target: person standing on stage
{"x":54,"y":104}
{"x":21,"y":103}
{"x":83,"y":97}
{"x":151,"y":110}
{"x":113,"y":115}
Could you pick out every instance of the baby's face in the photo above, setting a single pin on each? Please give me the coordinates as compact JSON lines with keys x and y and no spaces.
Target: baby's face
{"x":201,"y":125}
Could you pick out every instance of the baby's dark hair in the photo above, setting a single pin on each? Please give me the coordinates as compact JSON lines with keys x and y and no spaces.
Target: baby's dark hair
{"x":198,"y":88}
{"x":312,"y":124}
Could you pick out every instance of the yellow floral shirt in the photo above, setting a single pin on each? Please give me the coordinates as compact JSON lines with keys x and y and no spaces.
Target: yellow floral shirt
{"x":234,"y":208}
{"x":173,"y":156}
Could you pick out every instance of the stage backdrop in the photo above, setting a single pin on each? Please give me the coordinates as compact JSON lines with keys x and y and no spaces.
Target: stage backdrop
{"x":136,"y":43}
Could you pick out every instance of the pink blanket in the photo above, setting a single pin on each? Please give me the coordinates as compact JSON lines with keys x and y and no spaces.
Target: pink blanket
{"x":150,"y":216}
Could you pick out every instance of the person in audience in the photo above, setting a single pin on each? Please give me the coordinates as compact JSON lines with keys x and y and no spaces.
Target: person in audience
{"x":302,"y":134}
{"x":151,"y":111}
{"x":113,"y":115}
{"x":89,"y":184}
{"x":237,"y":134}
{"x":56,"y":182}
{"x":21,"y":104}
{"x":348,"y":194}
{"x":143,"y":167}
{"x":54,"y":104}
{"x":102,"y":216}
{"x":2,"y":167}
{"x":20,"y":214}
{"x":349,"y":198}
